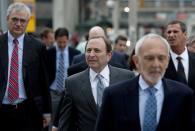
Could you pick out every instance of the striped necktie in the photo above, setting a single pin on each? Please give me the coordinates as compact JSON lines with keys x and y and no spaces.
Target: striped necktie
{"x":180,"y":71}
{"x":150,"y":120}
{"x":13,"y":90}
{"x":100,"y":90}
{"x":60,"y":74}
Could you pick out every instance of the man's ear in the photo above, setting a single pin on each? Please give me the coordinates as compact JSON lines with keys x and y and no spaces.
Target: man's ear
{"x":136,"y":61}
{"x":109,"y":55}
{"x":168,"y":62}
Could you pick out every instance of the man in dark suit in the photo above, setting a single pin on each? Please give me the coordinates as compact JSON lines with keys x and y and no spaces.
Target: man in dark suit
{"x":47,"y":36}
{"x":81,"y":101}
{"x":57,"y":67}
{"x":176,"y":35}
{"x":24,"y":92}
{"x":148,"y":102}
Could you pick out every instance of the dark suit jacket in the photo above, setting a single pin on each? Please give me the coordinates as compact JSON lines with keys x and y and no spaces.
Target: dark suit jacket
{"x":34,"y":73}
{"x":171,"y":72}
{"x":79,"y":110}
{"x":117,"y":58}
{"x":120,"y":107}
{"x":51,"y":61}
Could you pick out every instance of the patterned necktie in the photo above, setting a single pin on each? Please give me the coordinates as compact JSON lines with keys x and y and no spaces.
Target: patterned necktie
{"x":13,"y":91}
{"x":60,"y":74}
{"x":150,"y":120}
{"x":180,"y":71}
{"x":100,"y":90}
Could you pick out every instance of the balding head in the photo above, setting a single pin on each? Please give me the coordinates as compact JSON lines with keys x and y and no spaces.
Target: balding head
{"x":96,"y":31}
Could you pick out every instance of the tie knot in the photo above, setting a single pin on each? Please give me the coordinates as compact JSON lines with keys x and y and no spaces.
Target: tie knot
{"x":151,"y":90}
{"x":62,"y":54}
{"x":15,"y":41}
{"x":179,"y":58}
{"x":99,"y":76}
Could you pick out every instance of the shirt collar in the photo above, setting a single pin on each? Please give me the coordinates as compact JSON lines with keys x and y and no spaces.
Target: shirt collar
{"x":11,"y":38}
{"x":183,"y":55}
{"x":104,"y":73}
{"x":65,"y":50}
{"x":143,"y":85}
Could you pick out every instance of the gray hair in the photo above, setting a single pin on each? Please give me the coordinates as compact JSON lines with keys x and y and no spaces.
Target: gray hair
{"x":18,"y":6}
{"x":141,"y":41}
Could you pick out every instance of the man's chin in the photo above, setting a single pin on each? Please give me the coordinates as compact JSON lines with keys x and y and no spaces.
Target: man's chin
{"x":153,"y":78}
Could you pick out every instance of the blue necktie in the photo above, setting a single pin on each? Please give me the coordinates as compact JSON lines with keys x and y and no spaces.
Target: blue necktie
{"x":180,"y":71}
{"x":150,"y":120}
{"x":60,"y":74}
{"x":100,"y":90}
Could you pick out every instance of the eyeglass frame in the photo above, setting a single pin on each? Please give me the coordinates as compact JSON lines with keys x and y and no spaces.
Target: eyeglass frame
{"x":16,"y":20}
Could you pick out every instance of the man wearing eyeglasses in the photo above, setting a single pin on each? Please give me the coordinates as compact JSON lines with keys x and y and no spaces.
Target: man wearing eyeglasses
{"x":24,"y":91}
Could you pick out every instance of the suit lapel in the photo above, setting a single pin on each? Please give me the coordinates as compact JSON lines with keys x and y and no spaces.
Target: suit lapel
{"x":166,"y":105}
{"x":70,"y":55}
{"x":87,"y":91}
{"x":191,"y":68}
{"x":4,"y":62}
{"x":131,"y":102}
{"x":27,"y":52}
{"x":171,"y":72}
{"x":4,"y":54}
{"x":113,"y":75}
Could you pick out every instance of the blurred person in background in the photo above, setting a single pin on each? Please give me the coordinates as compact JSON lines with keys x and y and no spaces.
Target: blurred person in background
{"x":1,"y":31}
{"x":47,"y":36}
{"x":59,"y":59}
{"x":120,"y":45}
{"x":131,"y":63}
{"x":191,"y":43}
{"x":182,"y":61}
{"x":82,"y":44}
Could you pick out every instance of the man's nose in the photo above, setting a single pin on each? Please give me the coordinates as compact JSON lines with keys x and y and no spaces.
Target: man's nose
{"x":171,"y":34}
{"x":92,"y":53}
{"x":156,"y":62}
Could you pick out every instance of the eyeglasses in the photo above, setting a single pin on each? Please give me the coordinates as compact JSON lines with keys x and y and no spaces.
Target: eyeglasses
{"x":16,"y":20}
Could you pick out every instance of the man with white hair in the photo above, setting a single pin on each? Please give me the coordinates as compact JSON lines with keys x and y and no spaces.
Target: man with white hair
{"x":24,"y":91}
{"x":148,"y":102}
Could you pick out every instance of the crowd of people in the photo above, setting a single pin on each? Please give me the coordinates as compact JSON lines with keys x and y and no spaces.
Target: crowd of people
{"x":48,"y":85}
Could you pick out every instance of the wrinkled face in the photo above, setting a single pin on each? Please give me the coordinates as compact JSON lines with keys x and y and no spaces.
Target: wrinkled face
{"x":96,"y":56}
{"x":62,"y":41}
{"x":175,"y":36}
{"x":17,"y":22}
{"x":152,"y":60}
{"x":121,"y":46}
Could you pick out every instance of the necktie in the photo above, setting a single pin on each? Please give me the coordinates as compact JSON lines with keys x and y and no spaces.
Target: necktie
{"x":100,"y":89}
{"x":180,"y":71}
{"x":150,"y":120}
{"x":60,"y":74}
{"x":13,"y":91}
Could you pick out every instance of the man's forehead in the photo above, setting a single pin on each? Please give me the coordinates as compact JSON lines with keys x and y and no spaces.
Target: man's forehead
{"x":96,"y":43}
{"x":171,"y":26}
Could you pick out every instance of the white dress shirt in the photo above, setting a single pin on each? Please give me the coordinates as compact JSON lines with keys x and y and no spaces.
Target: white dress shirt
{"x":22,"y":92}
{"x":105,"y":73}
{"x":144,"y":94}
{"x":185,"y":61}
